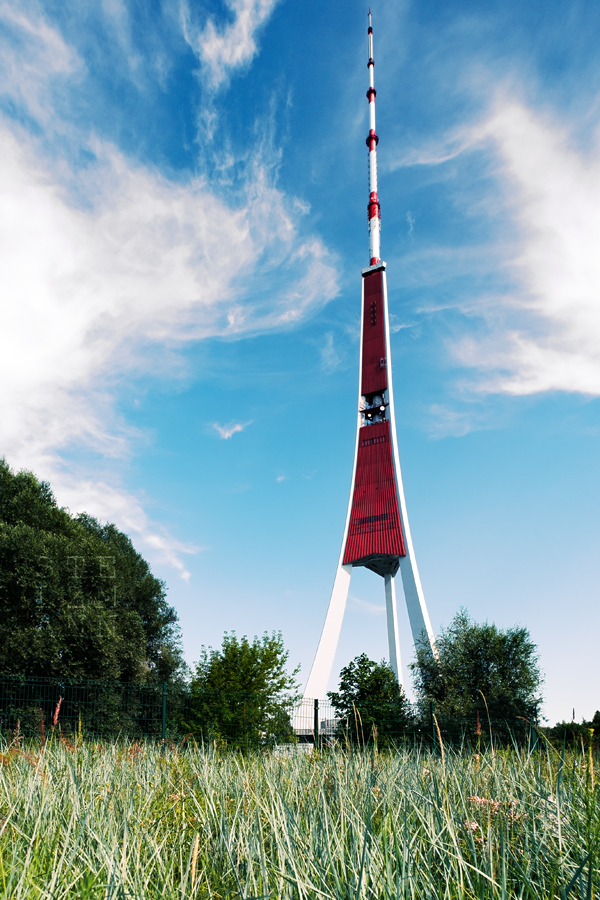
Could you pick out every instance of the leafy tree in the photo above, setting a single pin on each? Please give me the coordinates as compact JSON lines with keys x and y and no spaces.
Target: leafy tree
{"x":577,"y":733}
{"x":242,"y":694}
{"x":476,"y":659}
{"x":369,"y":698}
{"x":76,"y":599}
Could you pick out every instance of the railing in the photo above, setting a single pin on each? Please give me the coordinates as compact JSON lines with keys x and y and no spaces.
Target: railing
{"x":77,"y":709}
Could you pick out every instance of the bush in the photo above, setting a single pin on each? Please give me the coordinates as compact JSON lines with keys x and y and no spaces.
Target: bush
{"x":242,"y":695}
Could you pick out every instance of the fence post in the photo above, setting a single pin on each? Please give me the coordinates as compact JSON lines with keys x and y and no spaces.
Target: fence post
{"x":316,"y":724}
{"x":164,"y":712}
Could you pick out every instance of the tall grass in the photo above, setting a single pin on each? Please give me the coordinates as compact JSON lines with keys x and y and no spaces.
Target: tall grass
{"x":135,"y":821}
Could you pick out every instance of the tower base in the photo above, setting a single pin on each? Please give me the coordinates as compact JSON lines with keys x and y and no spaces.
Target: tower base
{"x":321,"y":667}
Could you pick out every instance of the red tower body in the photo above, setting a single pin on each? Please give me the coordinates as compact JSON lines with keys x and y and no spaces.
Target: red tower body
{"x":373,"y":361}
{"x":375,"y":537}
{"x":375,"y":534}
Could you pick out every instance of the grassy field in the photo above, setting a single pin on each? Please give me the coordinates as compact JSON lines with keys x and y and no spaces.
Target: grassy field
{"x":132,"y":821}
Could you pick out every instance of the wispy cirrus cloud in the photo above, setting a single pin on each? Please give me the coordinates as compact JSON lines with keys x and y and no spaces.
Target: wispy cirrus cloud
{"x":540,"y":330}
{"x":227,"y":431}
{"x":436,"y":152}
{"x":32,"y":53}
{"x":330,"y":356}
{"x":372,"y":609}
{"x":223,"y":49}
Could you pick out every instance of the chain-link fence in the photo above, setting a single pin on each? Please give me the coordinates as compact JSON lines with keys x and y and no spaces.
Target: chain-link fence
{"x":79,"y":709}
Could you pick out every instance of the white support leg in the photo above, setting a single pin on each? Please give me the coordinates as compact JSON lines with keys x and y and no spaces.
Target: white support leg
{"x":392,"y":626}
{"x":420,"y":624}
{"x":322,"y":665}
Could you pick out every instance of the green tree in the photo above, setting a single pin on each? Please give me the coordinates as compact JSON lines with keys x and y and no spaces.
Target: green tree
{"x":242,"y":694}
{"x":475,"y":660}
{"x":369,"y":701}
{"x":76,"y":599}
{"x":577,"y":733}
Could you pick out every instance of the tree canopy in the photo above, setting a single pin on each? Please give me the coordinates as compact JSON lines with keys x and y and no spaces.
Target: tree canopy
{"x":479,"y":659}
{"x":369,"y":697}
{"x":76,"y":599}
{"x":243,"y":693}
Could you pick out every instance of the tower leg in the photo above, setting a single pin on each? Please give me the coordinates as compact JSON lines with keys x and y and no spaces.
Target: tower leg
{"x":420,"y":624}
{"x":392,"y":626}
{"x":323,"y":662}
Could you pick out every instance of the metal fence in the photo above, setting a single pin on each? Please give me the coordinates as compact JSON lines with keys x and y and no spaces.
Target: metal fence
{"x":79,"y":709}
{"x":316,"y":722}
{"x":32,"y":706}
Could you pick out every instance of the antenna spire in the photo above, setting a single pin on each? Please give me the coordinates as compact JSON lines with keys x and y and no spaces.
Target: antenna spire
{"x":372,"y":141}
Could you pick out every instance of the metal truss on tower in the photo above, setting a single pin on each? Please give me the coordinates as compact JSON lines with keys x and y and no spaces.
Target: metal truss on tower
{"x":377,"y":534}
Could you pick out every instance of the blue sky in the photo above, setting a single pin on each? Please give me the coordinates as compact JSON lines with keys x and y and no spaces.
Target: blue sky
{"x":183,"y":190}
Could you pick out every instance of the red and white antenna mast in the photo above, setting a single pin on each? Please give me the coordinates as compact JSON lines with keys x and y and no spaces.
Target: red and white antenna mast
{"x":372,"y":141}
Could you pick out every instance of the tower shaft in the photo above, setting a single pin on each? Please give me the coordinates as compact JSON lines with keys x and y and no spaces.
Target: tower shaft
{"x":377,"y":534}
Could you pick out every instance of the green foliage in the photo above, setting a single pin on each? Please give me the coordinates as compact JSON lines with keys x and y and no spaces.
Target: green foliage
{"x":369,"y":700}
{"x":242,"y":694}
{"x":76,"y":599}
{"x":476,"y":659}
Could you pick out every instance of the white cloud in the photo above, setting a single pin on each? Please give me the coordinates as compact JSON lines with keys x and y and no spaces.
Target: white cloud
{"x":88,"y":290}
{"x":96,"y":293}
{"x":114,"y":504}
{"x":446,"y":421}
{"x":372,"y":609}
{"x":227,"y":431}
{"x":546,"y":336}
{"x":543,"y":335}
{"x":31,"y":52}
{"x":108,"y":270}
{"x":330,"y":357}
{"x":436,"y":152}
{"x":222,"y":49}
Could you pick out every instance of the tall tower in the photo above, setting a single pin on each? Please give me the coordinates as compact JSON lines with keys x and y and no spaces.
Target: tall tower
{"x":377,"y":534}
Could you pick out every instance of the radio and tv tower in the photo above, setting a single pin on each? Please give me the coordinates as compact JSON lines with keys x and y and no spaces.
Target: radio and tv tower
{"x":377,"y":534}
